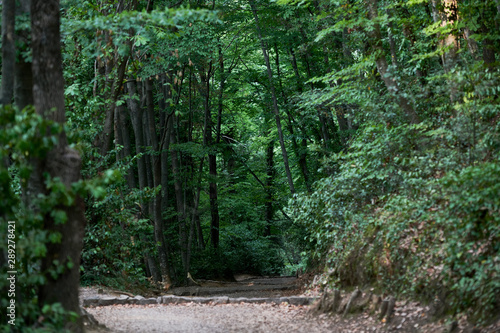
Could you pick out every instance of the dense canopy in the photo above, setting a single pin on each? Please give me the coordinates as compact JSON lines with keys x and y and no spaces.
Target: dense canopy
{"x":360,"y":138}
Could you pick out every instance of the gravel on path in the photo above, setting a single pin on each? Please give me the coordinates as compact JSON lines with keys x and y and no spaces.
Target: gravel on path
{"x":196,"y":318}
{"x":252,"y":317}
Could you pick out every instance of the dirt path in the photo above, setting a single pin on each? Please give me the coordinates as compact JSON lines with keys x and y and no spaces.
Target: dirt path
{"x":236,"y":316}
{"x":196,"y":318}
{"x":192,"y":317}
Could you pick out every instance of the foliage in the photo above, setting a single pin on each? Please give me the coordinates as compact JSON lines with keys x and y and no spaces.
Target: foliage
{"x":411,"y":209}
{"x":19,"y":131}
{"x":121,"y":232}
{"x":25,"y":136}
{"x":172,"y":111}
{"x":471,"y":226}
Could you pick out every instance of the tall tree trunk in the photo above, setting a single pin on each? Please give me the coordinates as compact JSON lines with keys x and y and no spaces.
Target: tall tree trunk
{"x":274,"y":98}
{"x":269,"y":187}
{"x":137,"y":117}
{"x":298,"y":79}
{"x":62,"y":161}
{"x":166,"y":118}
{"x":324,"y":128}
{"x":212,"y":160}
{"x":149,"y":166}
{"x":115,"y":89}
{"x":199,"y":232}
{"x":180,"y":203}
{"x":214,"y":205}
{"x":120,"y":155}
{"x":164,"y":142}
{"x":301,"y":154}
{"x":221,"y":96}
{"x":382,"y":66}
{"x":8,"y":51}
{"x":151,"y":264}
{"x":156,"y":165}
{"x":123,"y":128}
{"x":195,"y":215}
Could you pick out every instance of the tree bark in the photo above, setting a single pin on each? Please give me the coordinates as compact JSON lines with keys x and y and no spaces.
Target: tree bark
{"x":8,"y":51}
{"x":180,"y":202}
{"x":136,"y":116}
{"x":212,"y":159}
{"x":61,"y":161}
{"x":221,"y":96}
{"x":489,"y":52}
{"x":214,"y":205}
{"x":450,"y":41}
{"x":149,"y":165}
{"x":293,"y":60}
{"x":23,"y":93}
{"x":269,"y":188}
{"x":274,"y":98}
{"x":165,"y":139}
{"x":447,"y":15}
{"x":301,"y":154}
{"x":115,"y":89}
{"x":120,"y":155}
{"x":124,"y":132}
{"x":156,"y":165}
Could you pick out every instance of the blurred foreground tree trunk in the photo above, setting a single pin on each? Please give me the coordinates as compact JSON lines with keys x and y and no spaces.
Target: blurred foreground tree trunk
{"x":8,"y":51}
{"x":23,"y":80}
{"x":62,"y":161}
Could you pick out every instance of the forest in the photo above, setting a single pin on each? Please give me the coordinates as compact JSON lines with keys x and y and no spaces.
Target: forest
{"x":144,"y":140}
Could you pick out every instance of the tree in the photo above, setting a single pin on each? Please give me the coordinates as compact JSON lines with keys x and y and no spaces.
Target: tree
{"x":8,"y":51}
{"x":276,"y":110}
{"x":62,"y":261}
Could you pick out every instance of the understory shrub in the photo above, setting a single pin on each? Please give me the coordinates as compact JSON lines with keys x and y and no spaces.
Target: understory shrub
{"x":409,"y":212}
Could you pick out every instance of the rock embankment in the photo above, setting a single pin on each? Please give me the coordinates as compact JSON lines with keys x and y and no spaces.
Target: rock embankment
{"x":172,"y":299}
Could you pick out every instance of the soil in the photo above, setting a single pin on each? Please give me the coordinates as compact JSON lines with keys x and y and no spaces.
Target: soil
{"x":245,"y":317}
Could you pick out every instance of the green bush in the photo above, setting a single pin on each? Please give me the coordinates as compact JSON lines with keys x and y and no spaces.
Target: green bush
{"x":241,"y":251}
{"x":471,"y":221}
{"x":407,"y":213}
